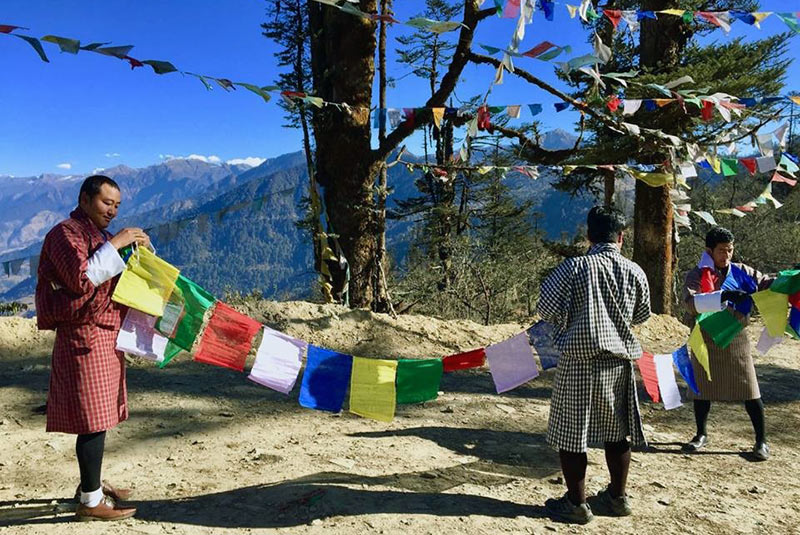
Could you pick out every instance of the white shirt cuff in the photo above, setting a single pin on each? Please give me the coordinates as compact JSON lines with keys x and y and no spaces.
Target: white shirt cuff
{"x":708,"y":302}
{"x":105,"y":264}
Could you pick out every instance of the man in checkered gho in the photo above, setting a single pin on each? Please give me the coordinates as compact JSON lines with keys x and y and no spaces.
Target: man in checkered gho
{"x":592,"y":302}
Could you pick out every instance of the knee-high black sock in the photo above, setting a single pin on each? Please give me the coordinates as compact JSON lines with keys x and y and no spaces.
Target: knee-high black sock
{"x":618,"y":459}
{"x":755,"y":409}
{"x":701,"y":409}
{"x":89,"y":449}
{"x":573,"y":466}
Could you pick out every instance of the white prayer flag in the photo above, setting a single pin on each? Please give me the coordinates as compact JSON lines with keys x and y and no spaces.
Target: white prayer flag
{"x":138,"y":336}
{"x":670,"y":394}
{"x":278,"y":361}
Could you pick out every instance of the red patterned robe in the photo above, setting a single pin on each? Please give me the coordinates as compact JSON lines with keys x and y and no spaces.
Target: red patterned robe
{"x":87,"y":381}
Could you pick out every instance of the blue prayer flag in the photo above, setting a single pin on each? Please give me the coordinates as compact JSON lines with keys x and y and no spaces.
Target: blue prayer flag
{"x":561,"y":106}
{"x":325,"y":380}
{"x":540,"y":336}
{"x":549,"y":8}
{"x":536,"y":109}
{"x":684,"y":364}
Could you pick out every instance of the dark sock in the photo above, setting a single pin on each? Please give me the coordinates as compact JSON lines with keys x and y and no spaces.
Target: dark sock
{"x":618,"y":459}
{"x":755,"y":409}
{"x":573,"y":465}
{"x":701,"y":409}
{"x":89,"y":449}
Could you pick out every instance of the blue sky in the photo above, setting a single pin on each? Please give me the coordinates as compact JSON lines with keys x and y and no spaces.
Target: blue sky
{"x":88,"y":111}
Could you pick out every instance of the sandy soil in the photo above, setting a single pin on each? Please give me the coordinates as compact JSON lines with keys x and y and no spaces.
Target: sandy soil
{"x":209,"y":452}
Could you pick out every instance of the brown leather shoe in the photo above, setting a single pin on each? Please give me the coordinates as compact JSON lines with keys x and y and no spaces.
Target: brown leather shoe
{"x":119,"y":495}
{"x":106,"y":510}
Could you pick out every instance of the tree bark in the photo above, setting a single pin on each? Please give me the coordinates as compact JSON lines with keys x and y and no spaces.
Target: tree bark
{"x":342,"y":64}
{"x":660,"y":46}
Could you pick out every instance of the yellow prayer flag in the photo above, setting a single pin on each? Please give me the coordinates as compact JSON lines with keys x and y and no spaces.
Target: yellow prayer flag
{"x":573,"y":10}
{"x":715,"y":164}
{"x":699,"y":349}
{"x":795,"y":99}
{"x":760,"y":16}
{"x":372,"y":388}
{"x":652,"y":179}
{"x":774,"y":308}
{"x":438,"y":114}
{"x":676,"y":12}
{"x":146,"y":283}
{"x":661,"y":102}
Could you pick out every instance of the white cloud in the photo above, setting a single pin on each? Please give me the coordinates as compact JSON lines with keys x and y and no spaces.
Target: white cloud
{"x":213,"y":159}
{"x":65,"y":165}
{"x":252,"y":161}
{"x":112,"y":155}
{"x":97,"y":170}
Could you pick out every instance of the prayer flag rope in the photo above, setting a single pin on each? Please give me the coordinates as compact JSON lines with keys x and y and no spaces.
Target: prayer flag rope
{"x":374,"y":387}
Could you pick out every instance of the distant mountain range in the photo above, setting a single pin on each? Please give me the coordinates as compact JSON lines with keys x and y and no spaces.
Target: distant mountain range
{"x":248,"y":249}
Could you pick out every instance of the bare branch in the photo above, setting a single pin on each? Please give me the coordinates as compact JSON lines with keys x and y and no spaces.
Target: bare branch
{"x":472,"y":16}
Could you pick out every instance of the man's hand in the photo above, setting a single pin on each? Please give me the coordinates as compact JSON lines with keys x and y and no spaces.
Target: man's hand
{"x":128,"y":236}
{"x":734,"y":296}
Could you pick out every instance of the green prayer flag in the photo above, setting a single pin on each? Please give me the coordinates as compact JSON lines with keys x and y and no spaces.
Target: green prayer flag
{"x":418,"y":380}
{"x":65,"y":44}
{"x":37,"y":46}
{"x":169,"y":353}
{"x":591,"y":14}
{"x":92,"y":46}
{"x":160,"y":67}
{"x":791,"y":21}
{"x":183,"y":315}
{"x":722,"y":326}
{"x":788,"y":282}
{"x":688,"y":17}
{"x":497,"y":109}
{"x":730,"y":166}
{"x":255,"y":89}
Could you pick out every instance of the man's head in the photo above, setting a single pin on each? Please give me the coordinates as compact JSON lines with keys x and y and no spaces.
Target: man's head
{"x":605,"y":225}
{"x":719,"y":245}
{"x":99,"y":198}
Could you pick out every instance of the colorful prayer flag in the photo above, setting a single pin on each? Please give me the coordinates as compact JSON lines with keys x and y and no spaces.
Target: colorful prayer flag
{"x":183,"y":315}
{"x":699,"y":349}
{"x":278,"y":361}
{"x":788,"y":282}
{"x":146,"y":283}
{"x":325,"y":380}
{"x":670,"y":395}
{"x":372,"y":390}
{"x":463,"y":361}
{"x":647,"y":368}
{"x":722,"y":326}
{"x":773,"y":307}
{"x":138,"y":336}
{"x":227,"y":339}
{"x":684,"y":364}
{"x":511,"y":363}
{"x":418,"y":380}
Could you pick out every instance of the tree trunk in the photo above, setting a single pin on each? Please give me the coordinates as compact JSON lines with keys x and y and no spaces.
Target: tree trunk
{"x":660,"y":47}
{"x":342,"y":61}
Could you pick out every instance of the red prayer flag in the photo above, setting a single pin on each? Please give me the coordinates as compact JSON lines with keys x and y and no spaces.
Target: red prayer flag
{"x":777,"y":177}
{"x":614,"y":15}
{"x":647,"y":367}
{"x":707,"y":281}
{"x":794,"y":300}
{"x":7,"y":28}
{"x":227,"y":338}
{"x":707,"y":111}
{"x":134,"y":62}
{"x":484,"y":118}
{"x":749,"y":163}
{"x":613,"y":103}
{"x":539,"y":49}
{"x":463,"y":361}
{"x":746,"y":208}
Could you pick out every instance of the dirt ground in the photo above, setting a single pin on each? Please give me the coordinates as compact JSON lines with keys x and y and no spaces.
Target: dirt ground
{"x":207,"y":451}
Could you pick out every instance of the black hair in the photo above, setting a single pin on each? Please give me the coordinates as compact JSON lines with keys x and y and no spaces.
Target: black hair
{"x":605,"y":224}
{"x":718,"y":235}
{"x":92,"y":184}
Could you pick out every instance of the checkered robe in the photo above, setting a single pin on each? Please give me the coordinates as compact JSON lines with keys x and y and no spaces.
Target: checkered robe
{"x":733,"y":375}
{"x":87,"y":380}
{"x":592,"y":302}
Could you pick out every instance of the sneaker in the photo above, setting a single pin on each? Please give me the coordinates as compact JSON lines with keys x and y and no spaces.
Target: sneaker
{"x":619,"y":506}
{"x":695,"y":444}
{"x":761,"y":451}
{"x":563,"y":510}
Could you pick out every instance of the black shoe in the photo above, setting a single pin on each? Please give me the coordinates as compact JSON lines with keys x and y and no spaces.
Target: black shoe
{"x":563,"y":510}
{"x":761,"y":451}
{"x":695,"y":444}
